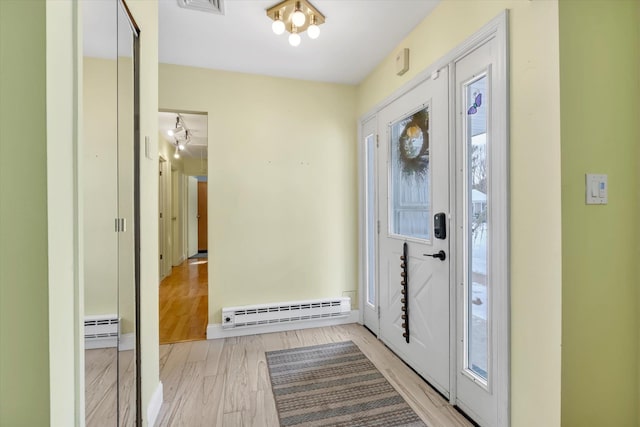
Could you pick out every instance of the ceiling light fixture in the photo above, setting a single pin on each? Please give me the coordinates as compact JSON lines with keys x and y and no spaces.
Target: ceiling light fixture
{"x":296,"y":16}
{"x":278,"y":24}
{"x":294,"y":37}
{"x":313,"y":31}
{"x":181,"y":135}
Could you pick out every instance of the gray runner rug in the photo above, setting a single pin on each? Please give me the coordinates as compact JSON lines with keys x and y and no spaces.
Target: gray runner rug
{"x":334,"y":385}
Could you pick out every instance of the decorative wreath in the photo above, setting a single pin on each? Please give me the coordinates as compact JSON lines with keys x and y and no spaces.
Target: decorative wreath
{"x":413,"y":144}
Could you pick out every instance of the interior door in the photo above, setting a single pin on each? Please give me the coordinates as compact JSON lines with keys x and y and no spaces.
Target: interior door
{"x":176,"y":218}
{"x":161,"y":216}
{"x":192,"y":216}
{"x":413,"y":186}
{"x":202,"y":216}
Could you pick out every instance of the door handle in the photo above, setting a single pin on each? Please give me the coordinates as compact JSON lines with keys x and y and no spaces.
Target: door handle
{"x":440,"y":255}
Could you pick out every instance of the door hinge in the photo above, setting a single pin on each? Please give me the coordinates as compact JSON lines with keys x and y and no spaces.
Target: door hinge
{"x":160,"y":173}
{"x":160,"y":256}
{"x":377,"y":141}
{"x":160,"y":215}
{"x":378,"y":226}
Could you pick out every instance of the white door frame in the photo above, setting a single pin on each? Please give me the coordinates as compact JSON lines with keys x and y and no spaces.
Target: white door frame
{"x":496,"y":29}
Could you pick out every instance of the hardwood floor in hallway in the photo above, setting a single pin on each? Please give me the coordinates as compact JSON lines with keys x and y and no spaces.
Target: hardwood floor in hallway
{"x":184,"y":304}
{"x":225,"y":382}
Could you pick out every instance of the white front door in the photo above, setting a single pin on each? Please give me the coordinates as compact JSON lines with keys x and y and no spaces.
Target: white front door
{"x":413,"y":189}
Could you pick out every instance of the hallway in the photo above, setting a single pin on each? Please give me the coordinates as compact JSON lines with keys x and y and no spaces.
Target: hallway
{"x":183,"y":302}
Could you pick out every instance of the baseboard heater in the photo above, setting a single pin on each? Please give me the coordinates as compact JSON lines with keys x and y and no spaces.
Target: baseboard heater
{"x":101,"y":331}
{"x":284,"y":312}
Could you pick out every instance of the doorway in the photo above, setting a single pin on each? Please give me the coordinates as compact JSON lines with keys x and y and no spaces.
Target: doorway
{"x":434,"y":227}
{"x":183,"y":292}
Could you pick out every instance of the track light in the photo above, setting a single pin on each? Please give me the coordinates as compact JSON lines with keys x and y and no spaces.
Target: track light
{"x":181,"y":135}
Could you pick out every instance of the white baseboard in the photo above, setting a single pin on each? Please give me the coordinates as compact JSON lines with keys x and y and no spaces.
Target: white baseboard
{"x":93,"y":343}
{"x":154,"y":406}
{"x":215,"y":330}
{"x":127,"y":342}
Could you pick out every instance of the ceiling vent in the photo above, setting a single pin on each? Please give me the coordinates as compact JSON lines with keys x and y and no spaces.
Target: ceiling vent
{"x":212,"y":6}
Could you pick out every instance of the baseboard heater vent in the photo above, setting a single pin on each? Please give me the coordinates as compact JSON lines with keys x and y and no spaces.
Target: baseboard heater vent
{"x":101,"y":331}
{"x":284,"y":312}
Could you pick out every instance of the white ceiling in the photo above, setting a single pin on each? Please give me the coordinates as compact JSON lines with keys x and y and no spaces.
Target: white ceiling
{"x":357,"y":35}
{"x":197,"y":125}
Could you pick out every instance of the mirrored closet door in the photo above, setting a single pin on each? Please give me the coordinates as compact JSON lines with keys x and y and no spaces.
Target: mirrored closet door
{"x":110,"y":204}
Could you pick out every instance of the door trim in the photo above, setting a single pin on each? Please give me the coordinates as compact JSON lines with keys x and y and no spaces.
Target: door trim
{"x":498,"y":29}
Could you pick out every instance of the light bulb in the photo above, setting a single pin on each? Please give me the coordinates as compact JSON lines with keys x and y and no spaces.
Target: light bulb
{"x":278,"y":27}
{"x":176,"y":155}
{"x":298,"y":18}
{"x":170,"y":132}
{"x":180,"y":146}
{"x":313,"y":31}
{"x":294,"y":39}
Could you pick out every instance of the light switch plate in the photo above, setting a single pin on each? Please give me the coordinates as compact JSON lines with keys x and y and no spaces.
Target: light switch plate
{"x":147,"y":148}
{"x":596,"y":189}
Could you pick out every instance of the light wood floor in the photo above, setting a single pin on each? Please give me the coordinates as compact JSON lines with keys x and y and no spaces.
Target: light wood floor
{"x":225,"y":382}
{"x":101,"y":372}
{"x":184,"y":304}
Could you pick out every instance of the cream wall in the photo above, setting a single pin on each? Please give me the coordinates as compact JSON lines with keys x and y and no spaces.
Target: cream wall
{"x":282,"y":184}
{"x":24,"y":277}
{"x":536,"y":267}
{"x":600,"y":89}
{"x":195,"y":167}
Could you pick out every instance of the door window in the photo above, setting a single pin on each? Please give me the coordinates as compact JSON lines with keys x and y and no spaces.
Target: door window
{"x":477,"y":230}
{"x":410,"y":176}
{"x":370,"y":145}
